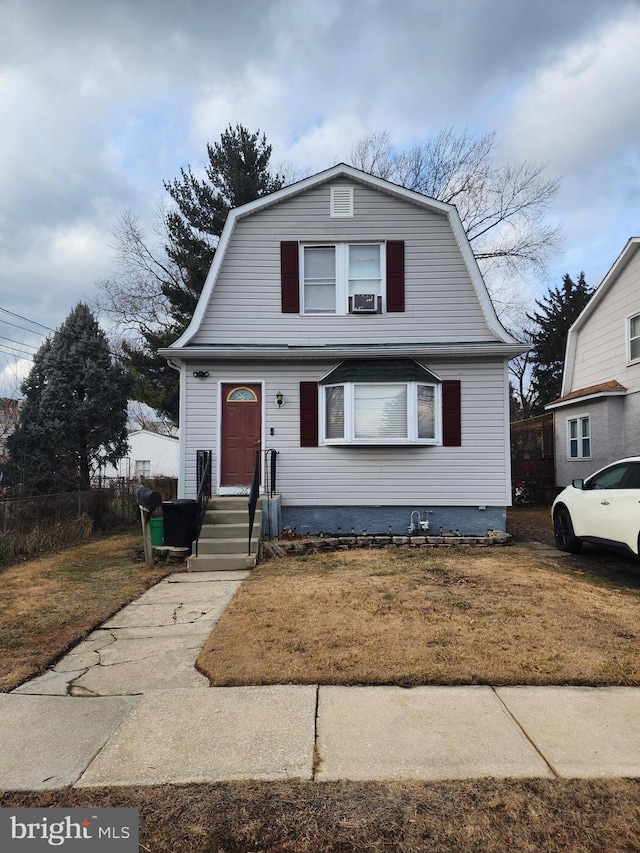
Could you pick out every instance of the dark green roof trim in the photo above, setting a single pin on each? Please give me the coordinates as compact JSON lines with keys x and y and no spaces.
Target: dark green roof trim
{"x":385,"y":370}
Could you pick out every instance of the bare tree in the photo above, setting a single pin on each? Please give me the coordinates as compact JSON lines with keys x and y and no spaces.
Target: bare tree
{"x":503,"y":208}
{"x":133,"y":298}
{"x":522,"y":391}
{"x":141,"y":416}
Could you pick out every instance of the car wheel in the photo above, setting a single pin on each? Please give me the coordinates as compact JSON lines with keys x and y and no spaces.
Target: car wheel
{"x":566,"y":540}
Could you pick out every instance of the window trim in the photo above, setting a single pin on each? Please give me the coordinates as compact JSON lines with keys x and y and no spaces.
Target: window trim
{"x":630,"y":319}
{"x":411,"y":438}
{"x":579,"y":419}
{"x":341,"y":248}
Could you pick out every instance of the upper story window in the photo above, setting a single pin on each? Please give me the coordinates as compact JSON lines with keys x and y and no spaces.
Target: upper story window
{"x":634,"y":338}
{"x":333,"y":277}
{"x":579,"y":437}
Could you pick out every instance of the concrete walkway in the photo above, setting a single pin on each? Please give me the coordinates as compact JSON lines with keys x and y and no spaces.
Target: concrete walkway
{"x":127,"y":707}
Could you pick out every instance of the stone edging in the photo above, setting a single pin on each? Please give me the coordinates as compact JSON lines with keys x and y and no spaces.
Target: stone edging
{"x":319,"y":545}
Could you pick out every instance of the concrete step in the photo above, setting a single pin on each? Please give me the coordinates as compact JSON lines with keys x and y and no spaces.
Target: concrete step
{"x":229,"y":516}
{"x":219,"y":502}
{"x":222,"y":545}
{"x":225,"y":546}
{"x":220,"y":562}
{"x":229,"y":531}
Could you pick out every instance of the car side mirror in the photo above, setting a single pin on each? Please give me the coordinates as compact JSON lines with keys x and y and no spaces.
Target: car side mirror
{"x":578,"y":484}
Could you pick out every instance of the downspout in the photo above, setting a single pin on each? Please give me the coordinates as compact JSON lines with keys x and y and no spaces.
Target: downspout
{"x":179,"y":365}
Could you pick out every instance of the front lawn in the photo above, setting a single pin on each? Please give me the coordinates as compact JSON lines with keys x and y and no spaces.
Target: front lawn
{"x":500,"y":615}
{"x":48,"y":604}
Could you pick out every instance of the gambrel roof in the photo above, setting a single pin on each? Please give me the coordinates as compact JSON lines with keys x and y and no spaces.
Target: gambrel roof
{"x":504,"y":343}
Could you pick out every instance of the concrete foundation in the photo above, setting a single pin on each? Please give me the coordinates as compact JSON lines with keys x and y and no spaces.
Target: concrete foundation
{"x":391,"y":520}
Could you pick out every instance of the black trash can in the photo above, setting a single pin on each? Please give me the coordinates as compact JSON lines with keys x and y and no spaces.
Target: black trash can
{"x":180,"y":522}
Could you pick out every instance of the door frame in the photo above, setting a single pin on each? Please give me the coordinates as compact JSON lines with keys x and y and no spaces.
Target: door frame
{"x":230,"y":490}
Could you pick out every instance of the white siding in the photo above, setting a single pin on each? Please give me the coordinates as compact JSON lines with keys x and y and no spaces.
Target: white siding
{"x":441,"y":302}
{"x":601,"y":345}
{"x":161,"y":451}
{"x":475,"y":474}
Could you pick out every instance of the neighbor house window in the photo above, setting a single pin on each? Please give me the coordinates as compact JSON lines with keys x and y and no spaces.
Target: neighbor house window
{"x":579,"y":437}
{"x":634,"y":338}
{"x":142,"y":469}
{"x":332,"y":275}
{"x":381,"y":413}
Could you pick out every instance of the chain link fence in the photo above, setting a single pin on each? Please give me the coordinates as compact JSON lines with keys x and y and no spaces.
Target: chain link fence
{"x":32,"y":525}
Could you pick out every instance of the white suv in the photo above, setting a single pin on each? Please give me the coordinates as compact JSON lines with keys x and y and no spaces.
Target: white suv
{"x":605,"y":509}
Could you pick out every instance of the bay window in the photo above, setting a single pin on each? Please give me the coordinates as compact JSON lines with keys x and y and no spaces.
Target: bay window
{"x":381,"y":413}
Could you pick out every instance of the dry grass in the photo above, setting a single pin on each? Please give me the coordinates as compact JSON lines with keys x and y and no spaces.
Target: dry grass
{"x":485,"y":816}
{"x":414,"y":616}
{"x":48,"y":604}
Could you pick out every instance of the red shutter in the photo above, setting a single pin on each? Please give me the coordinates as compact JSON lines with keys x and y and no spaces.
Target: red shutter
{"x":395,"y":275}
{"x":451,"y":421}
{"x":290,"y":277}
{"x":308,"y":414}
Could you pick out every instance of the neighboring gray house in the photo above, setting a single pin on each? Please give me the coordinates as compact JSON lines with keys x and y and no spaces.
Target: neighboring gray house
{"x":597,"y":418}
{"x":344,"y":324}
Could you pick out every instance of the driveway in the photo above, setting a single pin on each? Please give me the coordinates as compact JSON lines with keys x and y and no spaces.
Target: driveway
{"x":534,"y":525}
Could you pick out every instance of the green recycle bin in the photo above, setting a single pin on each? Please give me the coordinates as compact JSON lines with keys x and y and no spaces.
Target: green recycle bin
{"x":157,"y":531}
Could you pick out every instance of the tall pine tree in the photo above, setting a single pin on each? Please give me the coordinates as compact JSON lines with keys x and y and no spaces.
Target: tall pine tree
{"x":237,"y":173}
{"x":74,"y":414}
{"x":558,"y":310}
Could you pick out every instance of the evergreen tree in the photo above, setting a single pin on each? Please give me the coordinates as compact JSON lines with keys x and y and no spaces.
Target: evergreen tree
{"x":559,"y":309}
{"x":237,"y":173}
{"x":74,"y":414}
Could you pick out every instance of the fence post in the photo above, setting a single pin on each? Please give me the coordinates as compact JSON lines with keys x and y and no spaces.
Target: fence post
{"x":5,"y":523}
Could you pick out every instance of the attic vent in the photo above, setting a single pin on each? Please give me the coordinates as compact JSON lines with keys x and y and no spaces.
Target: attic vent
{"x":341,"y":202}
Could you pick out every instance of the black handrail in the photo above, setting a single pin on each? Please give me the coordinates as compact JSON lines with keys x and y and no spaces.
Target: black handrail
{"x":253,"y":497}
{"x":270,"y":487}
{"x":270,"y":466}
{"x":203,"y":476}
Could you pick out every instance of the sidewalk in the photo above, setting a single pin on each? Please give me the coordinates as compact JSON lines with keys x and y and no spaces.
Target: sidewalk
{"x":127,"y":707}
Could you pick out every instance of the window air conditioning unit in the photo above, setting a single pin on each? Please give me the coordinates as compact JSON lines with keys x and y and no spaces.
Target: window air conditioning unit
{"x":364,"y":303}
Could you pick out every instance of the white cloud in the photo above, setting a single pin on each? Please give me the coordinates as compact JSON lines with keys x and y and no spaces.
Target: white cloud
{"x":584,"y":106}
{"x":99,"y":103}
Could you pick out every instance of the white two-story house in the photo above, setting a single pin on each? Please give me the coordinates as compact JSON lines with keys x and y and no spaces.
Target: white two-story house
{"x":345,"y":326}
{"x":597,"y":418}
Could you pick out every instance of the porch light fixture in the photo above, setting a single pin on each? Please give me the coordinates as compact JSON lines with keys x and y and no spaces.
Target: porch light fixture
{"x":201,"y":374}
{"x":279,"y":399}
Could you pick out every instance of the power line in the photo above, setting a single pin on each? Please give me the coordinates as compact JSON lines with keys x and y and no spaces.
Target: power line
{"x":74,"y":338}
{"x":24,"y":328}
{"x":27,"y":320}
{"x":18,"y":343}
{"x":15,"y":352}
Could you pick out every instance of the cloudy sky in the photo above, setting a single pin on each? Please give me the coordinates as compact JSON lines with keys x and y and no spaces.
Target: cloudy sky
{"x":101,"y":102}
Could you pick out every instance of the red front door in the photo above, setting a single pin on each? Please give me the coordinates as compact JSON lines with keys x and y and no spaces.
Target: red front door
{"x":240,"y":433}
